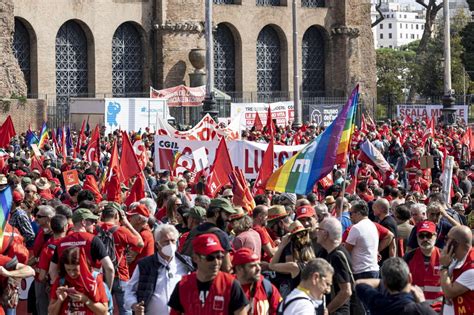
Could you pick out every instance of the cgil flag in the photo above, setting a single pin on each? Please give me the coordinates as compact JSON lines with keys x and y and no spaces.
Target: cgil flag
{"x":317,"y":159}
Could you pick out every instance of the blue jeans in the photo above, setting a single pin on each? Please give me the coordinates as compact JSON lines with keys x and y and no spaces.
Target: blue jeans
{"x":10,"y":311}
{"x":367,"y":275}
{"x":118,"y":290}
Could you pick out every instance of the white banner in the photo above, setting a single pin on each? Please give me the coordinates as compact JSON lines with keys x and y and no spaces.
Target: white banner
{"x":282,"y":112}
{"x":131,"y":114}
{"x":421,"y":112}
{"x":247,"y":155}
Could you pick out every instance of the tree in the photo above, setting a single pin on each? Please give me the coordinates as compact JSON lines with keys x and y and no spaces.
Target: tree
{"x":432,"y":10}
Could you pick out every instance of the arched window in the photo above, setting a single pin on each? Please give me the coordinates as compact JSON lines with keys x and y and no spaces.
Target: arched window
{"x":268,"y":61}
{"x":71,"y":66}
{"x":21,"y":50}
{"x":268,"y":2}
{"x":127,"y":61}
{"x":224,"y":59}
{"x":313,"y":62}
{"x":312,"y":3}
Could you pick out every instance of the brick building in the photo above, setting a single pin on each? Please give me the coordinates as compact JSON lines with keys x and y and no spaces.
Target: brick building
{"x":122,"y":47}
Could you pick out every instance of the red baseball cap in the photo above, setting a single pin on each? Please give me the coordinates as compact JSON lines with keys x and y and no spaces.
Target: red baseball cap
{"x":244,"y":256}
{"x":305,"y":212}
{"x":20,"y":173}
{"x":140,"y":209}
{"x":426,"y":226}
{"x":206,"y":244}
{"x":17,"y":196}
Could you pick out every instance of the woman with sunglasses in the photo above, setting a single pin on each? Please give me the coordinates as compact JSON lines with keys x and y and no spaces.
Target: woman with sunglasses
{"x":296,"y":251}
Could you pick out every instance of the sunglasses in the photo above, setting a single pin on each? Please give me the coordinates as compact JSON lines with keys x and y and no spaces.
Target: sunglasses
{"x":210,"y":258}
{"x":39,"y":216}
{"x":29,"y":191}
{"x":228,"y":197}
{"x":422,"y":236}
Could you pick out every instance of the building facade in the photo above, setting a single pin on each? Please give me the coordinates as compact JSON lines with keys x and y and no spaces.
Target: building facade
{"x":93,"y":48}
{"x":402,"y":24}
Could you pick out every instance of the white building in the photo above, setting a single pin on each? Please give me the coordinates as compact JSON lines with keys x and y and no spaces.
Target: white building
{"x":402,"y":24}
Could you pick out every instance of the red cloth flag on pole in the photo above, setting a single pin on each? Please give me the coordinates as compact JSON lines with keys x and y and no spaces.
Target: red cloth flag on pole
{"x":137,"y":192}
{"x":92,"y":152}
{"x":270,"y":126}
{"x":80,"y":139}
{"x":429,"y":131}
{"x":407,"y":121}
{"x":91,"y":184}
{"x":258,"y":125}
{"x":222,"y":168}
{"x":113,"y":189}
{"x":363,"y":125}
{"x":242,"y":195}
{"x":7,"y":131}
{"x":266,"y":169}
{"x":128,"y":160}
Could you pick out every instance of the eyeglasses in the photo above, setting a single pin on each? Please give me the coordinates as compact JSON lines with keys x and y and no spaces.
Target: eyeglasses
{"x":39,"y":216}
{"x":210,"y":258}
{"x":228,"y":197}
{"x":422,"y":236}
{"x":29,"y":191}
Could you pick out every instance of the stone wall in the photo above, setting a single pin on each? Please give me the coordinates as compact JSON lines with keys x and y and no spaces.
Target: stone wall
{"x":24,"y":113}
{"x":11,"y":77}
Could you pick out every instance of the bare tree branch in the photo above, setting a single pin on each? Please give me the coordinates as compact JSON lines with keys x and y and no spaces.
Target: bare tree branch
{"x":422,"y":3}
{"x":380,"y":18}
{"x":439,"y":7}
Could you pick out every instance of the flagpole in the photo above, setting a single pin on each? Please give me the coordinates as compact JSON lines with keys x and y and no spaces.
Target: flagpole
{"x":345,"y":176}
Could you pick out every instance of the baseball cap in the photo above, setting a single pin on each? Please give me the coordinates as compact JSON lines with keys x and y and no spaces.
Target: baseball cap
{"x":17,"y":196}
{"x":244,"y":256}
{"x":305,"y":212}
{"x":206,"y":244}
{"x":222,"y":203}
{"x":196,"y":212}
{"x":426,"y":226}
{"x":83,"y":214}
{"x":141,"y":210}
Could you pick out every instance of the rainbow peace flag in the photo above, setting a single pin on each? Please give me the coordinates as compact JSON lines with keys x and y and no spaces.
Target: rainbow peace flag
{"x":300,"y":173}
{"x":43,"y":135}
{"x":6,"y":201}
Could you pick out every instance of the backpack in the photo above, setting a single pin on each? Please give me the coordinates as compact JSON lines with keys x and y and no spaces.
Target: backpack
{"x":107,"y":238}
{"x":268,"y":287}
{"x":284,"y":304}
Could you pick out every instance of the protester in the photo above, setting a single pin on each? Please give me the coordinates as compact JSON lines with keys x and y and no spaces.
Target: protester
{"x":308,"y":297}
{"x":208,"y":290}
{"x":152,"y":283}
{"x":262,"y":294}
{"x":398,"y":297}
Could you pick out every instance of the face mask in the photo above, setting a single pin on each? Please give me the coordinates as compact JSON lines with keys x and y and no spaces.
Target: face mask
{"x":169,"y":250}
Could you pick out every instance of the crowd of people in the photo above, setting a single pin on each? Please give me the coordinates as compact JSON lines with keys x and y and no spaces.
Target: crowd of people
{"x":397,"y":243}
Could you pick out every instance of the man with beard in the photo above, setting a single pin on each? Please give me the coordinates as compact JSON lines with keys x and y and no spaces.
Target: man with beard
{"x":217,"y":216}
{"x":208,"y":290}
{"x":278,"y":222}
{"x":424,"y":264}
{"x":263,"y":296}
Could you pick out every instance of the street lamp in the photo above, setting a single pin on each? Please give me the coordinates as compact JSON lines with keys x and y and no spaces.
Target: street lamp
{"x":448,"y":99}
{"x":209,"y":103}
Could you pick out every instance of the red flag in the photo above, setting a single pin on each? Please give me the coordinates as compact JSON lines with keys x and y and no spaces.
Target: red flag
{"x":327,"y":181}
{"x":270,"y":126}
{"x":221,"y":169}
{"x":258,"y":125}
{"x":91,"y":184}
{"x":36,"y":164}
{"x":407,"y":121}
{"x":7,"y":131}
{"x":92,"y":151}
{"x":137,"y":192}
{"x":128,"y":160}
{"x":351,"y":188}
{"x":55,"y":141}
{"x":429,"y":131}
{"x":114,"y":164}
{"x":266,"y":169}
{"x":242,"y":195}
{"x":113,"y":189}
{"x":80,"y":139}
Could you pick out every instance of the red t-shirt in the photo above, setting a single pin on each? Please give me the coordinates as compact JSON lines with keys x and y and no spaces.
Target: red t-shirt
{"x":160,"y":214}
{"x":69,"y":307}
{"x":122,"y":238}
{"x":182,"y":239}
{"x":260,"y":306}
{"x":148,"y":248}
{"x":47,"y":253}
{"x":265,"y":239}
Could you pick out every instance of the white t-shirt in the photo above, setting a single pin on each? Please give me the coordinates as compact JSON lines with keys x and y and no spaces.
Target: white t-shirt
{"x":302,"y":306}
{"x":466,"y":279}
{"x":365,"y":239}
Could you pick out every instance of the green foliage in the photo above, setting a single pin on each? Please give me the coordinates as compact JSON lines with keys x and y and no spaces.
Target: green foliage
{"x":467,"y":41}
{"x":471,"y":4}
